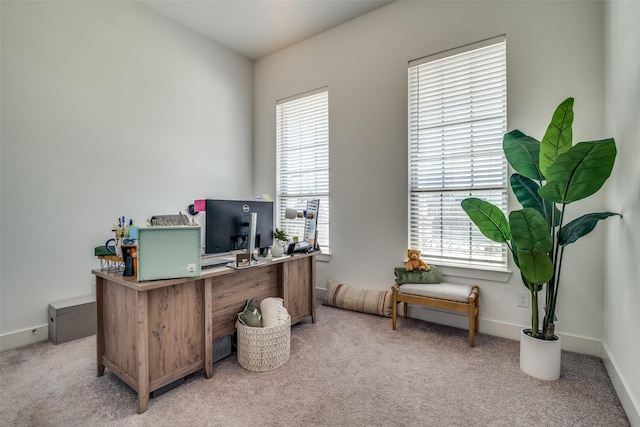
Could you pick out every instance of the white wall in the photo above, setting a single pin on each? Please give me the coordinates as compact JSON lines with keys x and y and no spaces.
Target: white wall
{"x":622,"y":284}
{"x":554,"y":50}
{"x":107,"y":110}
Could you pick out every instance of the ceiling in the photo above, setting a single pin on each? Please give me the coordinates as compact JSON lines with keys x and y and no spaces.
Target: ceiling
{"x":256,"y":28}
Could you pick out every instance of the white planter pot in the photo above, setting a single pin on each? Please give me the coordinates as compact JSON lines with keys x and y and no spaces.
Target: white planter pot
{"x":540,"y":358}
{"x":277,"y":250}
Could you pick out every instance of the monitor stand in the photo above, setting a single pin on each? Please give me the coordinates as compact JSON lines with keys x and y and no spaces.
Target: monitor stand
{"x":253,"y":221}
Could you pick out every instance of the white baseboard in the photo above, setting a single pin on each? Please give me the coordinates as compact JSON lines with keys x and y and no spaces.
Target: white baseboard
{"x":573,"y":343}
{"x":24,"y":337}
{"x":630,"y":405}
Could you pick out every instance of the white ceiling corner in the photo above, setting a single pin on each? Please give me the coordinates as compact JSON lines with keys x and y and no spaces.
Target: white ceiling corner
{"x":257,"y":28}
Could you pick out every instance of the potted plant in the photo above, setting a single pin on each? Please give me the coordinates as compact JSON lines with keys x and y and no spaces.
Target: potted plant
{"x":277,"y":250}
{"x":549,"y":175}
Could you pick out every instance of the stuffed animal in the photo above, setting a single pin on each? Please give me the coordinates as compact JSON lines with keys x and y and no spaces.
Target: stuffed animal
{"x":414,"y":262}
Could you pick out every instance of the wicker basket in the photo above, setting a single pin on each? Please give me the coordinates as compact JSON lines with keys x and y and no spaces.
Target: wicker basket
{"x":264,"y":349}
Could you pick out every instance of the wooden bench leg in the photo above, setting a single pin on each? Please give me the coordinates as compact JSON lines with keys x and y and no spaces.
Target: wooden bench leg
{"x":474,"y":308}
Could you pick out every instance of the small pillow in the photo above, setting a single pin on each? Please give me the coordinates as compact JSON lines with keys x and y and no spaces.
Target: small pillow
{"x":433,"y":275}
{"x":251,"y":315}
{"x":273,"y":312}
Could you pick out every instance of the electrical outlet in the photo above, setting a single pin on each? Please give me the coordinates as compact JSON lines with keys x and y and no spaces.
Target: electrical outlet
{"x":523,"y":300}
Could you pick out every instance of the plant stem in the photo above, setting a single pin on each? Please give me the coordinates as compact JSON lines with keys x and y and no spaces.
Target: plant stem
{"x":534,"y":312}
{"x":554,"y":249}
{"x":549,"y":329}
{"x":552,"y":286}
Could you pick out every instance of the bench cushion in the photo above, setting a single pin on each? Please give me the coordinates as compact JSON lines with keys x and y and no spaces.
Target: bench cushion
{"x":446,"y":291}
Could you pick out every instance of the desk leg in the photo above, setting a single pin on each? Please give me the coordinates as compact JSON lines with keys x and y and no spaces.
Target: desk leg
{"x":312,"y":272}
{"x":208,"y":328}
{"x":142,"y":351}
{"x":99,"y":325}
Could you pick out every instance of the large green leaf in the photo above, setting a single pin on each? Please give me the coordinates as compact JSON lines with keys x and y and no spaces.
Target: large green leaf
{"x":533,"y":287}
{"x":523,"y":154}
{"x":558,"y":137}
{"x":534,"y":243}
{"x":529,"y":230}
{"x":581,"y":227}
{"x":536,"y":266}
{"x":489,"y":219}
{"x":514,"y":252}
{"x":579,"y":172}
{"x":526,"y":190}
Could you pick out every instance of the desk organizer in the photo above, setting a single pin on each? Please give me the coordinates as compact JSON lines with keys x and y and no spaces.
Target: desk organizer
{"x":264,"y":349}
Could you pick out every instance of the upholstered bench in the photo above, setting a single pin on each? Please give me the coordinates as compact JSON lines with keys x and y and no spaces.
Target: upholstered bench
{"x":447,"y":296}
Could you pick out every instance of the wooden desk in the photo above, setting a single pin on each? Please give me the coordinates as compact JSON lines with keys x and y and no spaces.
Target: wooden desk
{"x":153,"y":333}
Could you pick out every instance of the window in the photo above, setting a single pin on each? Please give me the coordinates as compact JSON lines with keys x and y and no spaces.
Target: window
{"x":457,"y":118}
{"x":302,"y":144}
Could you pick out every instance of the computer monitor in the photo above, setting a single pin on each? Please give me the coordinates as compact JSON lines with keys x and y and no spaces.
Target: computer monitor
{"x":227,"y":225}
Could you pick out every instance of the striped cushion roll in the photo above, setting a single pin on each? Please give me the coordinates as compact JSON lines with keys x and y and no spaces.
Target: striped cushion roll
{"x":356,"y":299}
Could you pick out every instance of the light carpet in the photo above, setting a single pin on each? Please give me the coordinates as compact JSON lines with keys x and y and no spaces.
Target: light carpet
{"x":348,"y":369}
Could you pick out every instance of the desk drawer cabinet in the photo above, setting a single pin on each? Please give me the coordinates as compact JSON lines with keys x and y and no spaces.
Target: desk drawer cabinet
{"x":299,"y":288}
{"x":153,"y":338}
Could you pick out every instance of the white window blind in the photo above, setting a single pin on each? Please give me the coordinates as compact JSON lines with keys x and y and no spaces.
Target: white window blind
{"x":457,"y":119}
{"x":303,"y":160}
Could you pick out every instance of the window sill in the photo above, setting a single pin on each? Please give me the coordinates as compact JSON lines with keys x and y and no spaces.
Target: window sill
{"x":476,"y":273}
{"x":323,"y":257}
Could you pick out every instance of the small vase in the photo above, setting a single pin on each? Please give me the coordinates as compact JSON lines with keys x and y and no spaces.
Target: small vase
{"x":540,"y":358}
{"x":277,"y":250}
